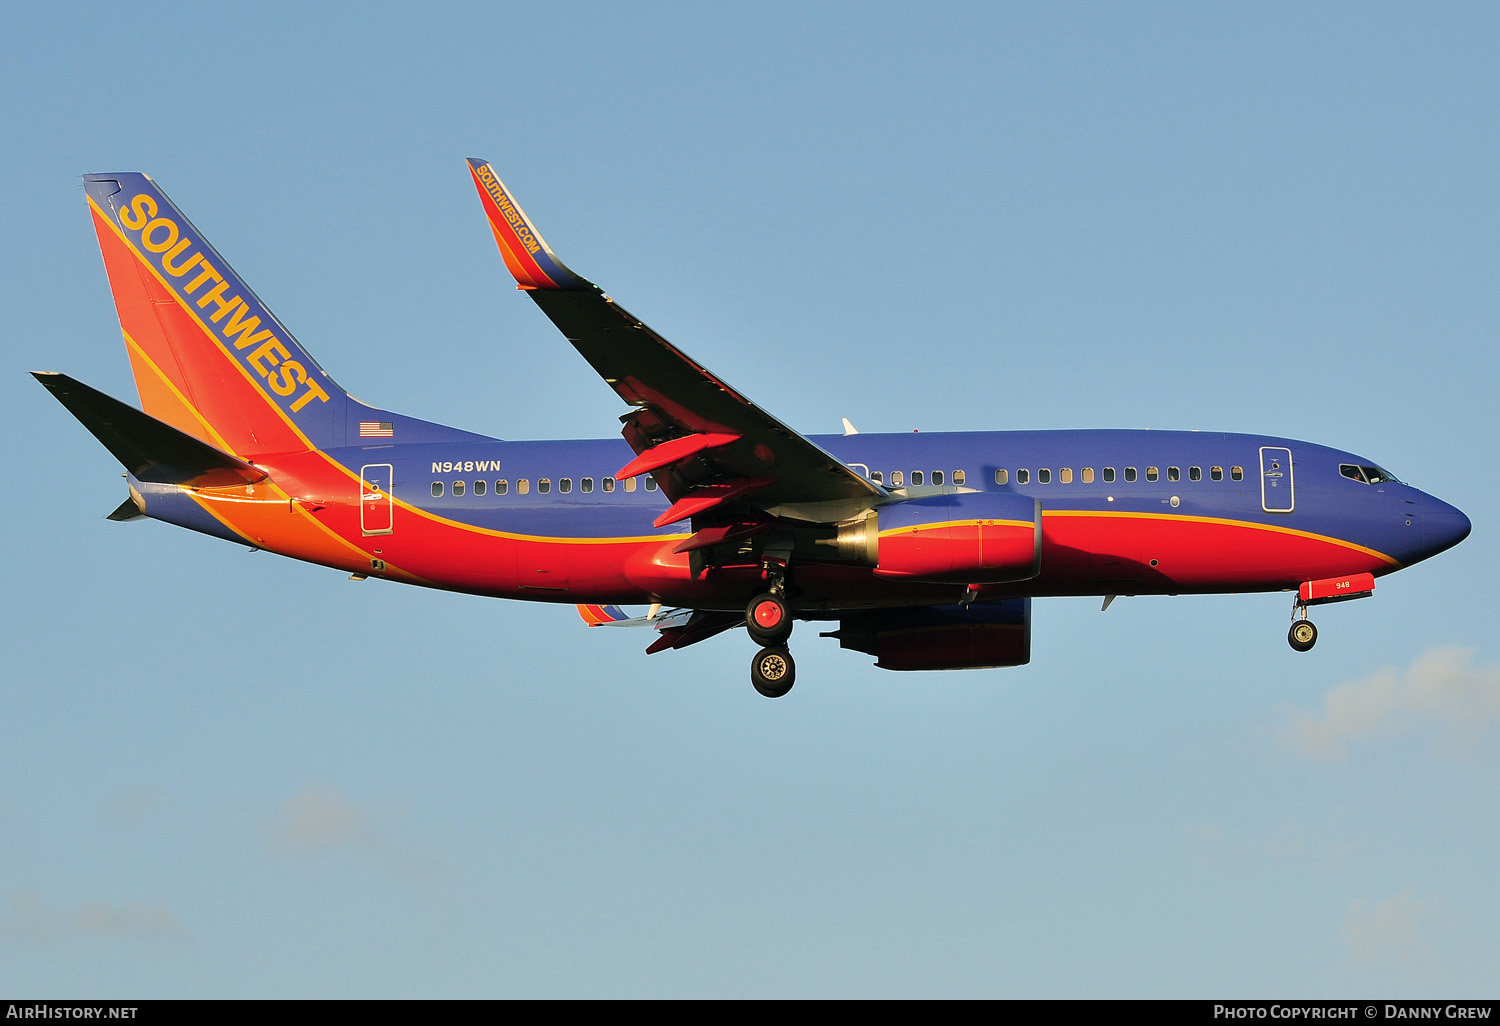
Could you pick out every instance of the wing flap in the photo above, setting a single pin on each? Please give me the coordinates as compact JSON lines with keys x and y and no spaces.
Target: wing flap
{"x":675,"y":451}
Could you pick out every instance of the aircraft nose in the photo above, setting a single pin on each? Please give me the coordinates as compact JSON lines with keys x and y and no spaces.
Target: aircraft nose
{"x":1443,"y":526}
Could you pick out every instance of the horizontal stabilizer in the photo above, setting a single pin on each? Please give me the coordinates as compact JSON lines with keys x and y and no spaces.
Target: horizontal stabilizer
{"x":150,"y":449}
{"x":597,"y":615}
{"x":127,"y":510}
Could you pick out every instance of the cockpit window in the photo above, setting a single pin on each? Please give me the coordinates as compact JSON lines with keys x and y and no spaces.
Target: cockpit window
{"x":1366,"y":473}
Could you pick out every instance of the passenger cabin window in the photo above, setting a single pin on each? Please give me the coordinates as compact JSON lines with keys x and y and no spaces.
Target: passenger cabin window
{"x":523,"y":486}
{"x":607,"y":484}
{"x":1217,"y":473}
{"x":479,"y":487}
{"x":1023,"y":477}
{"x":1174,"y":473}
{"x":458,"y":487}
{"x":1237,"y":473}
{"x":937,"y":477}
{"x":544,"y":485}
{"x":587,"y":484}
{"x":1152,"y":473}
{"x":630,"y":484}
{"x":877,"y":477}
{"x":1109,"y":475}
{"x":651,"y":484}
{"x":1065,"y":475}
{"x":916,"y":477}
{"x":1044,"y":476}
{"x":1130,"y":475}
{"x":1086,"y":475}
{"x":958,"y":477}
{"x":501,"y":487}
{"x":897,"y":480}
{"x":1195,"y":473}
{"x":565,"y":485}
{"x":1002,"y":477}
{"x":437,"y":489}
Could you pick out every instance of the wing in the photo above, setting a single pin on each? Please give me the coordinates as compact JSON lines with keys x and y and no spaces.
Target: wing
{"x":717,"y":456}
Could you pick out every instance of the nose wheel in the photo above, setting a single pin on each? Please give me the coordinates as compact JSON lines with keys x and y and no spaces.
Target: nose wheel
{"x":1303,"y":635}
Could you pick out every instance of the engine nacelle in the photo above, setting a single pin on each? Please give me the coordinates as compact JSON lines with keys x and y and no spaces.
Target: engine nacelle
{"x":973,"y":537}
{"x":982,"y":634}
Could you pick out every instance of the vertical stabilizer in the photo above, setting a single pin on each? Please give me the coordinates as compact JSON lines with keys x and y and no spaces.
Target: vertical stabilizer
{"x":209,"y":357}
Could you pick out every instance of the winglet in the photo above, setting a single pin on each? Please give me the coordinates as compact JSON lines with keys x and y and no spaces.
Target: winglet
{"x":527,"y":255}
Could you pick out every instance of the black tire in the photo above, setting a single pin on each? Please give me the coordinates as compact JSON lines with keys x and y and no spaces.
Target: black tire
{"x":1302,"y":636}
{"x":768,"y":620}
{"x":772,"y":672}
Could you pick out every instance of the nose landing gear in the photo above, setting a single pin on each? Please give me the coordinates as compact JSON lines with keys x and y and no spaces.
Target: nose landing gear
{"x":1303,"y":635}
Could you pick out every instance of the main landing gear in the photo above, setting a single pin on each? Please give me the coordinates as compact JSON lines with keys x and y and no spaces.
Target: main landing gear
{"x":772,"y":672}
{"x":768,"y":620}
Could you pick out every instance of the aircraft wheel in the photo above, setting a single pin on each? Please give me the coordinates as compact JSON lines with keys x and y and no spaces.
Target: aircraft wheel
{"x":772,"y":672}
{"x":1303,"y":635}
{"x":768,"y":620}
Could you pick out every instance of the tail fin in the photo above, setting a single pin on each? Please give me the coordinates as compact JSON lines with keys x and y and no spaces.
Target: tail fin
{"x":209,"y":358}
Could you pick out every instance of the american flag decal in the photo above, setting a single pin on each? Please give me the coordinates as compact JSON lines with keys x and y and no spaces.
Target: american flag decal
{"x":376,"y":429}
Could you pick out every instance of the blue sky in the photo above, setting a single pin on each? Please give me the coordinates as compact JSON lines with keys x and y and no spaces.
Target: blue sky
{"x":228,"y":774}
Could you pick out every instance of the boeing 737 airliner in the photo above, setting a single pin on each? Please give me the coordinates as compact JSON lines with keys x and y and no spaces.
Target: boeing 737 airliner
{"x":923,"y":550}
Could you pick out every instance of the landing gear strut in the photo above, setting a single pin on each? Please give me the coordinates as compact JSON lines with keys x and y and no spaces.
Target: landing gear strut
{"x":768,"y":619}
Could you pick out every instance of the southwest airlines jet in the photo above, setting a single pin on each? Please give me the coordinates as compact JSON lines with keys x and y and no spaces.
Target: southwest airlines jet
{"x":923,"y":550}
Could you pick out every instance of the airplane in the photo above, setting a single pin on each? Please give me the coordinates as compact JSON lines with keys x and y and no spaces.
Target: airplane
{"x":923,"y":550}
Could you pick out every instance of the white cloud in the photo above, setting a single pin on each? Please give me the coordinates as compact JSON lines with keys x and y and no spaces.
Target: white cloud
{"x":318,"y":820}
{"x":32,"y":920}
{"x":1396,"y":931}
{"x":1440,"y":689}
